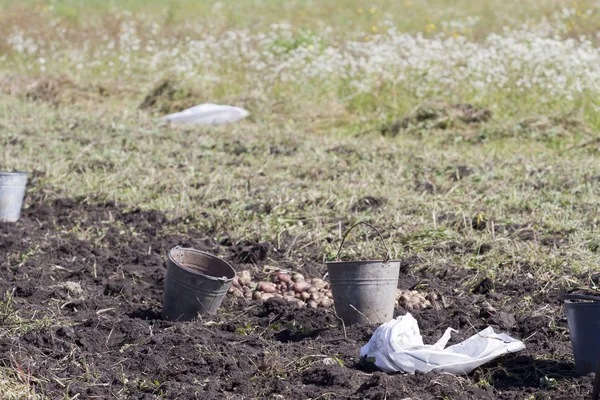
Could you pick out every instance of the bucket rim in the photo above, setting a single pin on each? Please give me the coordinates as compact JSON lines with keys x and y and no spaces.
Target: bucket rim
{"x":579,"y":298}
{"x":204,"y":253}
{"x":361,"y":262}
{"x":572,"y":303}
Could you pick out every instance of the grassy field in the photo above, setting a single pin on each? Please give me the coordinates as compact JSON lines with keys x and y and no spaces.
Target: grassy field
{"x":323,"y":81}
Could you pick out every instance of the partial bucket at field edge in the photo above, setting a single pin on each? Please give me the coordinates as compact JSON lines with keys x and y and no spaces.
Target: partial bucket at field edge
{"x":583,"y":318}
{"x":12,"y":192}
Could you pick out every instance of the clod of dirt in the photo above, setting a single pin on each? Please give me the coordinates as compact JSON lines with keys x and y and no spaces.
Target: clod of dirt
{"x":470,"y":114}
{"x":170,"y":97}
{"x":484,"y":286}
{"x":425,"y":187}
{"x":554,"y":241}
{"x":459,"y":172}
{"x":236,"y":148}
{"x":546,"y":128}
{"x":259,"y":208}
{"x":479,"y":222}
{"x":331,"y":376}
{"x":72,"y":289}
{"x":49,"y":90}
{"x":438,"y":116}
{"x":221,"y":203}
{"x":483,"y":248}
{"x":369,"y":203}
{"x":503,"y":320}
{"x":250,"y":253}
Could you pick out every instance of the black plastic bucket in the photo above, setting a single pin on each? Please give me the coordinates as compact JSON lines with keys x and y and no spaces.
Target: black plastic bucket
{"x":583,"y":317}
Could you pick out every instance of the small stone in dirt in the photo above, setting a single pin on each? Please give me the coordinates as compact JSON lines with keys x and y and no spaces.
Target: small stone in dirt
{"x":73,"y":288}
{"x":503,"y":320}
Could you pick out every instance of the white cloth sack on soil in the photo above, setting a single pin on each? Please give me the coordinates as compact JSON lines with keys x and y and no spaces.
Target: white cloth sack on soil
{"x":397,"y":345}
{"x":208,"y":114}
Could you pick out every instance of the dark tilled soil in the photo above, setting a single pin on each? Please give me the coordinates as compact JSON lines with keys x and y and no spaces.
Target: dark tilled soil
{"x":93,"y":276}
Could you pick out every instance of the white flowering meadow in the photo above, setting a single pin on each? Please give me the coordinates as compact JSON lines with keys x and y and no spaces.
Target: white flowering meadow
{"x":538,"y":65}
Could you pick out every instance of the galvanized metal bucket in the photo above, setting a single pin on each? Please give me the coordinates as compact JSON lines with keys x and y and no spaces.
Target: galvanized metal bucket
{"x":364,"y":291}
{"x":583,"y":318}
{"x":12,"y":192}
{"x":196,"y":284}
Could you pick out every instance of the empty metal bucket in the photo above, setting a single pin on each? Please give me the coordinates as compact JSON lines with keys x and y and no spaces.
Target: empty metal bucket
{"x":364,"y":291}
{"x":196,"y":284}
{"x":12,"y":192}
{"x":583,"y":317}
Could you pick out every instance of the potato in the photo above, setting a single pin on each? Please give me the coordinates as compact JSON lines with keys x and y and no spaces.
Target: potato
{"x":247,"y":293}
{"x":312,"y":289}
{"x":329,"y":294}
{"x":326,"y":302}
{"x":289,"y":298}
{"x":284,"y":278}
{"x":305,"y":296}
{"x":237,"y":292}
{"x":256,"y":296}
{"x":267,"y":296}
{"x":299,"y":303}
{"x":266,"y":287}
{"x":316,"y":296}
{"x":312,"y":304}
{"x":300,"y":286}
{"x":327,"y":286}
{"x":296,"y":277}
{"x":236,"y":282}
{"x":318,"y":283}
{"x":282,"y":287}
{"x":432,"y":296}
{"x":244,"y":278}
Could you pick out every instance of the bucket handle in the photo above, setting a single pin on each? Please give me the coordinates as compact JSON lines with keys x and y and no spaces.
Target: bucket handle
{"x":387,"y":251}
{"x":575,"y":296}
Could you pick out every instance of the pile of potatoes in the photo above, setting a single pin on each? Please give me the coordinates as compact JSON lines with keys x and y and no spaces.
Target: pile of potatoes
{"x":293,"y":288}
{"x":312,"y":293}
{"x":414,"y":300}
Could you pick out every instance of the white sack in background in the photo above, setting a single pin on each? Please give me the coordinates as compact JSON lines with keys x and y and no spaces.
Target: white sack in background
{"x":208,"y":114}
{"x":397,"y":345}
